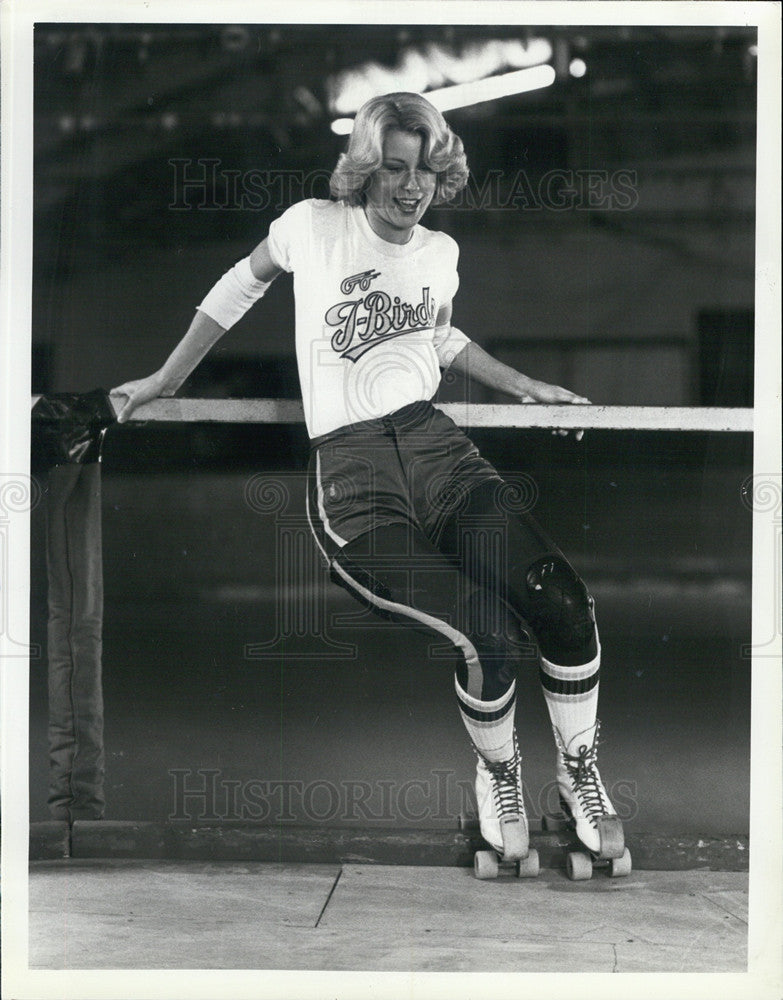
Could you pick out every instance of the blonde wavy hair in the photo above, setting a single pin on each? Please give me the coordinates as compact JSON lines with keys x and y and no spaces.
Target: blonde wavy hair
{"x":442,"y":150}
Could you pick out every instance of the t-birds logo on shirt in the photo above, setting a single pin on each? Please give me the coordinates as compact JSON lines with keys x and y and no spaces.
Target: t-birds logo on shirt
{"x":362,"y":323}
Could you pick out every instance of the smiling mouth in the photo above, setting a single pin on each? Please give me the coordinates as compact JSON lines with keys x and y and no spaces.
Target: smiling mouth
{"x":408,"y":204}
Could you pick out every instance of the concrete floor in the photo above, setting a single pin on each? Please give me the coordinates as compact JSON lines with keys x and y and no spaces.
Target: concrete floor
{"x":101,"y":914}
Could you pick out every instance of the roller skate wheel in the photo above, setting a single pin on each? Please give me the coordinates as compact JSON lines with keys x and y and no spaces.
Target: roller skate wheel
{"x":485,"y":864}
{"x":620,"y":867}
{"x":528,"y":867}
{"x":579,"y":866}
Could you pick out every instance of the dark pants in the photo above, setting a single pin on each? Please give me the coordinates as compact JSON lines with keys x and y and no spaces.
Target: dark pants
{"x":422,"y":530}
{"x":472,"y":589}
{"x":73,"y":550}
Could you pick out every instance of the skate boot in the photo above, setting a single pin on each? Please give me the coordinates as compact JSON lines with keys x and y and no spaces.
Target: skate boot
{"x":587,"y":809}
{"x":502,"y":818}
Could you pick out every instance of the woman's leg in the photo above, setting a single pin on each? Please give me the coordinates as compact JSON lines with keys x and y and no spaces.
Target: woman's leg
{"x":533,"y":577}
{"x":400,"y":574}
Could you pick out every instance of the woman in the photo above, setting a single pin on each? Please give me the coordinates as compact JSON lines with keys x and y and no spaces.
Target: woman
{"x":400,"y":502}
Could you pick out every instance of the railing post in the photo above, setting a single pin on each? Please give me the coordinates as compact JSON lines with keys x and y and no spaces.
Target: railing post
{"x":68,"y":430}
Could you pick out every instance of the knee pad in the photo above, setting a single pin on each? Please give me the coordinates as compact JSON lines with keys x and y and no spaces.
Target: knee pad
{"x":562,"y":609}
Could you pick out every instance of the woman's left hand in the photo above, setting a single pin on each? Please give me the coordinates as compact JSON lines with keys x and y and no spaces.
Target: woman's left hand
{"x":533,"y":391}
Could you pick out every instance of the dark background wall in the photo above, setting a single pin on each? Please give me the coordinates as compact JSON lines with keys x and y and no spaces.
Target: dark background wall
{"x":607,"y":233}
{"x":640,"y":293}
{"x":228,"y":650}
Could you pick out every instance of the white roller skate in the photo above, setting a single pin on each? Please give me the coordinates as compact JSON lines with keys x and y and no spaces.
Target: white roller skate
{"x":587,"y":809}
{"x":502,"y":818}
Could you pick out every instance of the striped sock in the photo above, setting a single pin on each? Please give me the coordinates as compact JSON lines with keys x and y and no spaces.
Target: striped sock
{"x":571,"y":695}
{"x":490,"y":724}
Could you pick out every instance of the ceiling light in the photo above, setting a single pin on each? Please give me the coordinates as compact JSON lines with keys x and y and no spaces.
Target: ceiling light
{"x":342,"y":126}
{"x":491,"y":88}
{"x":463,"y":95}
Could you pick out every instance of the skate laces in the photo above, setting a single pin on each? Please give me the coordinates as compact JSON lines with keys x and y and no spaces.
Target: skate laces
{"x":582,"y":768}
{"x":506,"y":786}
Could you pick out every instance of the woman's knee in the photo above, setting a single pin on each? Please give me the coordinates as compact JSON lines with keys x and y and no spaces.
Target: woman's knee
{"x":561,"y":611}
{"x":501,"y":643}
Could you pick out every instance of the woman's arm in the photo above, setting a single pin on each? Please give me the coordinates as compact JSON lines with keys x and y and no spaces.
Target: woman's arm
{"x":202,"y":334}
{"x":474,"y":362}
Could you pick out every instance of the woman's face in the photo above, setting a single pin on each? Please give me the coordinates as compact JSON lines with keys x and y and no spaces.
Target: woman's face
{"x":401,"y":189}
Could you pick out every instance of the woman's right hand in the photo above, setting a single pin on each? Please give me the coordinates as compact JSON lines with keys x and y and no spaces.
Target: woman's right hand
{"x":139,"y":391}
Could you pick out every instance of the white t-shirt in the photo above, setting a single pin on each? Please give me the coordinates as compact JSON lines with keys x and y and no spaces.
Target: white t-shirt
{"x":365,"y":312}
